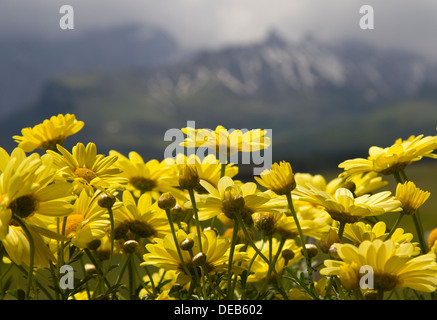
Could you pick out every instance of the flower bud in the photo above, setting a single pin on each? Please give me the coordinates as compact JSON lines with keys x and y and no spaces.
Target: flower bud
{"x":187,"y":244}
{"x":287,"y":254}
{"x":188,"y":177}
{"x":328,"y":239}
{"x":333,"y":251}
{"x":166,"y":201}
{"x":90,"y":269}
{"x":312,"y":250}
{"x":199,"y":259}
{"x":130,"y":246}
{"x":265,"y":222}
{"x":233,"y":202}
{"x":106,"y":201}
{"x":214,"y":229}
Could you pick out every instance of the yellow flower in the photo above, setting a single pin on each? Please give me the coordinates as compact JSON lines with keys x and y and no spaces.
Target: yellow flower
{"x":162,"y":279}
{"x":48,"y":134}
{"x":140,"y":219}
{"x":224,"y":142}
{"x":432,"y":240}
{"x":280,"y":179}
{"x":208,"y":169}
{"x":230,"y":196}
{"x":152,"y":177}
{"x":163,"y":254}
{"x":394,"y":158}
{"x":87,"y":169}
{"x":17,"y":247}
{"x":260,"y":267}
{"x":344,"y":207}
{"x":359,"y":232}
{"x":28,"y":191}
{"x":88,"y":221}
{"x":393,"y":266}
{"x":284,"y":226}
{"x":410,"y":196}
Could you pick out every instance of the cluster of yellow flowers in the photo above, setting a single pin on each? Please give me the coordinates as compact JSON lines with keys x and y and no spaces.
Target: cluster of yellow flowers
{"x":185,"y":228}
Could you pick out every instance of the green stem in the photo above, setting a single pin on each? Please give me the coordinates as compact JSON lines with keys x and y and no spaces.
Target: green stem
{"x":272,"y":265}
{"x":398,"y":220}
{"x":111,"y":254}
{"x":419,"y":231}
{"x":99,"y":271}
{"x":301,"y":236}
{"x":196,"y":217}
{"x":178,"y":249}
{"x":252,"y":244}
{"x":152,"y":283}
{"x":231,"y":257}
{"x":32,"y":254}
{"x":341,"y":229}
{"x":222,"y":170}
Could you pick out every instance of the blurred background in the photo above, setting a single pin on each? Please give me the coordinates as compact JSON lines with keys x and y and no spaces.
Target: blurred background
{"x":133,"y":69}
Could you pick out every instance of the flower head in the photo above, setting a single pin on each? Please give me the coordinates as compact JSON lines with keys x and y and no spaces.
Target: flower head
{"x":393,"y":266}
{"x":394,"y":158}
{"x":343,"y":206}
{"x":230,"y":196}
{"x":87,"y":169}
{"x":152,"y":177}
{"x":410,"y":196}
{"x":163,"y":253}
{"x":224,"y":142}
{"x":140,"y":218}
{"x":208,"y":169}
{"x":280,"y":179}
{"x":48,"y":134}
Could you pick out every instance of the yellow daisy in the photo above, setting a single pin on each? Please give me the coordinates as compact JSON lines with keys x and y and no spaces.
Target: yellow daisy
{"x":224,"y":142}
{"x":344,"y":207}
{"x":208,"y":169}
{"x":48,"y":134}
{"x":359,"y":232}
{"x":28,"y":191}
{"x":284,"y":226}
{"x":280,"y":179}
{"x":410,"y":196}
{"x":140,"y":219}
{"x":152,"y":177}
{"x":17,"y":247}
{"x":87,"y":169}
{"x":163,"y":254}
{"x":230,"y":196}
{"x":394,"y":158}
{"x":88,"y":221}
{"x":393,"y":266}
{"x":259,"y":268}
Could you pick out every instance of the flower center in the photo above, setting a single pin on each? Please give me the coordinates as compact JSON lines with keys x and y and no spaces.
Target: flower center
{"x":85,"y":174}
{"x":142,"y":229}
{"x":142,"y":184}
{"x":343,"y":217}
{"x":73,"y":222}
{"x":51,"y":144}
{"x":385,"y":281}
{"x":24,"y":206}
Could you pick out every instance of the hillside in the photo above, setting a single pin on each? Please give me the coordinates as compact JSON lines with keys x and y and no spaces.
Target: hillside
{"x":323,"y":103}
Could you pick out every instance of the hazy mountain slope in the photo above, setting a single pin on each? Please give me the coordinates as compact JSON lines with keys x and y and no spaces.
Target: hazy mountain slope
{"x":323,"y":102}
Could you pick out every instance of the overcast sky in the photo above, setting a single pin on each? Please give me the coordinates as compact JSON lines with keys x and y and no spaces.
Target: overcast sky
{"x":212,"y":23}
